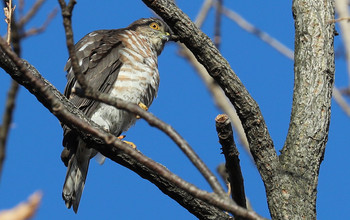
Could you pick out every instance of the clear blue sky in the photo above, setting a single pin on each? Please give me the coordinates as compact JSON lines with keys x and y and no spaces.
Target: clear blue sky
{"x":113,"y":192}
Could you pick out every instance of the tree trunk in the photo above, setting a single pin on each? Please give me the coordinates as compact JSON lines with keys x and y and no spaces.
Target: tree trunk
{"x":294,"y":194}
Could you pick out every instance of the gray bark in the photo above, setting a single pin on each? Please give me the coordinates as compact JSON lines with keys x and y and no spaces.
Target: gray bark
{"x":294,"y":196}
{"x":290,"y":179}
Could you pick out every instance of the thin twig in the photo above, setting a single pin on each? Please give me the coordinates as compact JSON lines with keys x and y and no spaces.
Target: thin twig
{"x":342,"y":9}
{"x":340,"y":19}
{"x":233,"y":168}
{"x":247,"y":26}
{"x":8,"y":14}
{"x":11,"y":96}
{"x":30,"y":14}
{"x":67,"y":23}
{"x":42,"y":28}
{"x":7,"y":119}
{"x":203,"y":12}
{"x":338,"y":97}
{"x":274,"y":43}
{"x":217,"y":23}
{"x":23,"y":211}
{"x":219,"y":96}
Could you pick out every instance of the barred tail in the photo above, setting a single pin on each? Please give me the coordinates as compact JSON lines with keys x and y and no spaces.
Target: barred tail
{"x":76,"y":175}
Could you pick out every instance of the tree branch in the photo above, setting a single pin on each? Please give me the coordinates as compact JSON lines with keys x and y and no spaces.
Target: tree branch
{"x":7,"y":119}
{"x":229,"y":149}
{"x":219,"y":96}
{"x":261,"y":145}
{"x":307,"y":136}
{"x":217,"y":26}
{"x":68,"y":114}
{"x":152,"y":120}
{"x":30,"y":14}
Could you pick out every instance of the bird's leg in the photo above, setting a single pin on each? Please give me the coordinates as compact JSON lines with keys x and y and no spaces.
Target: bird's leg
{"x":144,"y":107}
{"x":121,"y":137}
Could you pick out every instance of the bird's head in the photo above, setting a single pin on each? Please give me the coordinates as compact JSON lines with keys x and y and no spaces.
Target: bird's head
{"x":155,"y":29}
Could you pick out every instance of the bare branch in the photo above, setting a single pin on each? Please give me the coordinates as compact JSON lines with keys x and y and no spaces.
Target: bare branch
{"x":219,"y":96}
{"x":217,"y":25}
{"x":233,"y":168}
{"x":284,"y":50}
{"x":24,"y":210}
{"x":67,"y":24}
{"x":28,"y":76}
{"x":203,"y":12}
{"x":260,"y":142}
{"x":247,"y":26}
{"x":7,"y":119}
{"x":152,"y":120}
{"x":342,"y":9}
{"x":30,"y":14}
{"x":8,"y":14}
{"x":42,"y":28}
{"x":338,"y":97}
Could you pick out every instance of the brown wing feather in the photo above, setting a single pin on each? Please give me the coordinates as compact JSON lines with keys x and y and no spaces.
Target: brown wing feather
{"x":100,"y":63}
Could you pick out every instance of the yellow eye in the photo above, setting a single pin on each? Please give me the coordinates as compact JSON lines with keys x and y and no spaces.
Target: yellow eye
{"x":155,"y":26}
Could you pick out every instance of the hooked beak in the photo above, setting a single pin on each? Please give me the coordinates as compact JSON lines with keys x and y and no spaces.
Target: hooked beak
{"x":166,"y":36}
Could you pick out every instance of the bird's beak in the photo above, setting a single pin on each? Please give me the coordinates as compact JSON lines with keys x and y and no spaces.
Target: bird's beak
{"x":166,"y":36}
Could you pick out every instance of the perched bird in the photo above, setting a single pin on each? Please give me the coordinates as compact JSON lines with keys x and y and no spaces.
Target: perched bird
{"x":122,"y":63}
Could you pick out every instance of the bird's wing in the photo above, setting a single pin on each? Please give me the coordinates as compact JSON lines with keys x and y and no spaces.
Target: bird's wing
{"x":98,"y":57}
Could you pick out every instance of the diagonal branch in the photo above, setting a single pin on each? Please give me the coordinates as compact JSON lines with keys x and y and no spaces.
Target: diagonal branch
{"x":284,"y":50}
{"x":42,"y":28}
{"x":113,"y":148}
{"x":30,"y":14}
{"x":219,"y":96}
{"x":260,"y":142}
{"x":152,"y":120}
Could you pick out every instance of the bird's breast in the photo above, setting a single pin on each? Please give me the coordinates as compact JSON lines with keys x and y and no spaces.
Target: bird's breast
{"x":137,"y":82}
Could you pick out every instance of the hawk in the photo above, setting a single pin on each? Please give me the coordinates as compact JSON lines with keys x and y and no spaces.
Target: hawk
{"x":122,"y":63}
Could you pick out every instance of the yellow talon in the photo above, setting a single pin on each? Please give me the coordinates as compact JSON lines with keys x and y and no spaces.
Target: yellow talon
{"x":131,"y":144}
{"x":144,"y":107}
{"x":121,"y":137}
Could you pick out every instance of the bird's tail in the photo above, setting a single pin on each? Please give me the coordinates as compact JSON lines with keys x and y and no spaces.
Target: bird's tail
{"x":75,"y":178}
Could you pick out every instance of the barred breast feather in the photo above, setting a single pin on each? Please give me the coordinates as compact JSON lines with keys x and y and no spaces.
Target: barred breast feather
{"x":137,"y":81}
{"x":123,"y":64}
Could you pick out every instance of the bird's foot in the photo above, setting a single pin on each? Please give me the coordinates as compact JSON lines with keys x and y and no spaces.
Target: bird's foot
{"x":121,"y":137}
{"x":144,"y":107}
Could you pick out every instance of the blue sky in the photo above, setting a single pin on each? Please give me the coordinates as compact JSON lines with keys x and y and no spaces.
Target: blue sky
{"x":112,"y":191}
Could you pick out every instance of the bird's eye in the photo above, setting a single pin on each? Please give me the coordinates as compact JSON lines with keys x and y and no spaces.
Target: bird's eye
{"x":155,"y":26}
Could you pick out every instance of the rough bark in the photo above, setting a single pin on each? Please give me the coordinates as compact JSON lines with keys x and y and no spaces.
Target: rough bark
{"x":290,"y":179}
{"x":260,"y":142}
{"x":295,"y":194}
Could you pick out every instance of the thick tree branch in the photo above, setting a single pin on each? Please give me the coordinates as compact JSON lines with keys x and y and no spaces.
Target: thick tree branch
{"x":202,"y":47}
{"x":218,"y":94}
{"x":68,"y":114}
{"x":233,"y":168}
{"x":304,"y":148}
